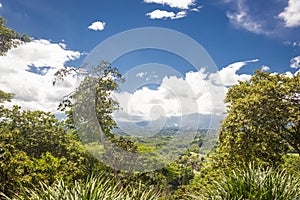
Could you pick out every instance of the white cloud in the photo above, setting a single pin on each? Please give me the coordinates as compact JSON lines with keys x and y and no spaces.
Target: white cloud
{"x":35,"y":91}
{"x":197,"y":9}
{"x":184,"y":7}
{"x":162,"y":14}
{"x":181,"y":4}
{"x":174,"y":97}
{"x":141,"y":74}
{"x":295,"y":62}
{"x":289,"y":74}
{"x":229,"y":76}
{"x":1,"y":5}
{"x":97,"y":26}
{"x":265,"y":68}
{"x":241,"y":19}
{"x":197,"y":92}
{"x":271,"y":20}
{"x":291,"y":14}
{"x":292,"y":43}
{"x":180,"y":14}
{"x":253,"y":17}
{"x":296,"y":44}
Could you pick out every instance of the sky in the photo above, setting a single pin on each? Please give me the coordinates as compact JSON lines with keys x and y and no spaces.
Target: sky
{"x":236,"y":37}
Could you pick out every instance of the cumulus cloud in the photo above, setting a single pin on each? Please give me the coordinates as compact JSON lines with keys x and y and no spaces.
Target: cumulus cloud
{"x":162,"y":14}
{"x":27,"y":71}
{"x":291,"y":14}
{"x":197,"y":92}
{"x":181,"y":4}
{"x":295,"y":62}
{"x":229,"y":74}
{"x":97,"y":26}
{"x":184,"y":6}
{"x":174,"y":97}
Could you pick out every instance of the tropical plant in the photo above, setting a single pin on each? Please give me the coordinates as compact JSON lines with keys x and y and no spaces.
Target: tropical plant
{"x":94,"y":188}
{"x":252,"y":183}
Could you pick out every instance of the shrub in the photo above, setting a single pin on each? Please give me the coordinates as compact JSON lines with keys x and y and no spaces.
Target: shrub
{"x":254,"y":183}
{"x":94,"y":188}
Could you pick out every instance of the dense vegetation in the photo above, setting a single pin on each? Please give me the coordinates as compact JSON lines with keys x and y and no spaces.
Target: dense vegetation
{"x":263,"y":117}
{"x":257,"y":156}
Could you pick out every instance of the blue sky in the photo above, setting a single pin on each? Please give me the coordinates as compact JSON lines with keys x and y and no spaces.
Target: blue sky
{"x":224,"y":40}
{"x":239,"y":35}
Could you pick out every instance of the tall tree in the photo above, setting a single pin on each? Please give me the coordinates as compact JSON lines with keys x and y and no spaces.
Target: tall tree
{"x":263,"y":118}
{"x":93,"y":95}
{"x":89,"y":108}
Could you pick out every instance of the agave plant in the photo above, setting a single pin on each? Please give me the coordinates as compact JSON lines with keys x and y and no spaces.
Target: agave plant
{"x":95,"y":188}
{"x":141,"y":193}
{"x":254,"y":183}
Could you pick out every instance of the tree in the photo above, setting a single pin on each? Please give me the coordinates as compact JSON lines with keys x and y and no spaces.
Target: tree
{"x":35,"y":146}
{"x":93,"y":95}
{"x":89,"y":108}
{"x":9,"y":38}
{"x":263,"y":119}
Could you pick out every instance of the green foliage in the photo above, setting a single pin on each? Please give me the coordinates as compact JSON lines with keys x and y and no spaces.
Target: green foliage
{"x":15,"y":168}
{"x":207,"y":174}
{"x":291,"y":164}
{"x":5,"y":96}
{"x":263,"y":119}
{"x":254,"y":183}
{"x":9,"y":38}
{"x":92,"y":96}
{"x":34,"y":146}
{"x":94,"y":188}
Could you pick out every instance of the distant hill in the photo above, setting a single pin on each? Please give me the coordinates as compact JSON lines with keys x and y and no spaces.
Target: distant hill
{"x":194,"y":121}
